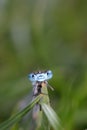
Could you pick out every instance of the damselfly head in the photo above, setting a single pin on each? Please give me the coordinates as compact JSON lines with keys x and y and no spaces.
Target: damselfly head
{"x":40,"y":76}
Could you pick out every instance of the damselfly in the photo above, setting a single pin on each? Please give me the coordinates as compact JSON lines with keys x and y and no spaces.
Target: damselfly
{"x":38,"y":78}
{"x":38,"y":121}
{"x":40,"y":83}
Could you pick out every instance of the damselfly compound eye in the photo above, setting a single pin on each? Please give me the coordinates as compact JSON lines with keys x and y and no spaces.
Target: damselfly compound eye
{"x":31,"y":77}
{"x":49,"y":72}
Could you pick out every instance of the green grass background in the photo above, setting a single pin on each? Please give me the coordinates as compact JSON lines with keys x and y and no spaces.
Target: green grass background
{"x":45,"y":34}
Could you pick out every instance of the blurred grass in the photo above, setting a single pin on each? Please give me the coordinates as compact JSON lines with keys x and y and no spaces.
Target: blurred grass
{"x":45,"y":35}
{"x":19,"y":115}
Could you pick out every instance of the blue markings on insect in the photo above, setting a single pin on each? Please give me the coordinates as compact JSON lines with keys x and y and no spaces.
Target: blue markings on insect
{"x":40,"y":76}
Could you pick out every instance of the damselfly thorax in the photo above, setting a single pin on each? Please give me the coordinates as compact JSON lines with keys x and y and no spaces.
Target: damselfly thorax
{"x":37,"y":89}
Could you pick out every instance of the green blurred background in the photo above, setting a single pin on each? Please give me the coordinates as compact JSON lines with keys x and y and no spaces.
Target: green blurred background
{"x":45,"y":34}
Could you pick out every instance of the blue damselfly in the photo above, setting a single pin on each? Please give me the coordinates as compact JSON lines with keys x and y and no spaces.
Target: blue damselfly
{"x":40,"y":83}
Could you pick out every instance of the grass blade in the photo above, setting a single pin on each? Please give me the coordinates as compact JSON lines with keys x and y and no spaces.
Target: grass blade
{"x":17,"y":117}
{"x":51,"y":116}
